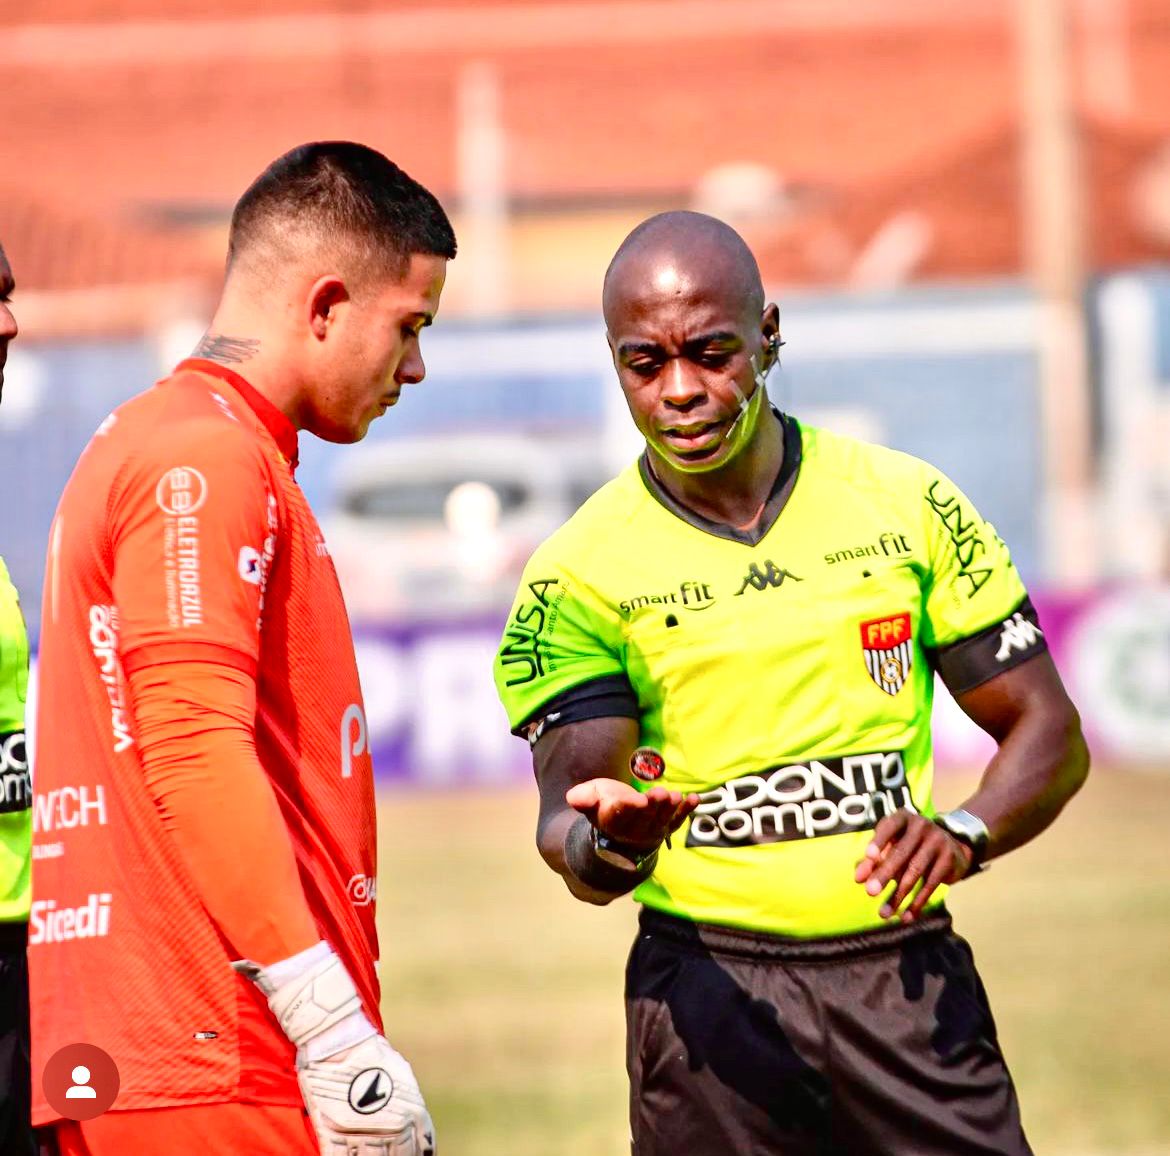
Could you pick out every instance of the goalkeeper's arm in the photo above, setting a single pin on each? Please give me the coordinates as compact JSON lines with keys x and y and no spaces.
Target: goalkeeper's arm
{"x":194,"y":722}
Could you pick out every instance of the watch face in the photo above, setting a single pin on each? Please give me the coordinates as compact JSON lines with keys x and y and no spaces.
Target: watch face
{"x":966,"y":827}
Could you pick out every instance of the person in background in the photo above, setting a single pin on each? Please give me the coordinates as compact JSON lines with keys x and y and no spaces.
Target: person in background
{"x":735,"y":642}
{"x":15,"y":830}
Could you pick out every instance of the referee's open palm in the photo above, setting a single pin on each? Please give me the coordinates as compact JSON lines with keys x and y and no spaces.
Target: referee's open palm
{"x":618,"y":810}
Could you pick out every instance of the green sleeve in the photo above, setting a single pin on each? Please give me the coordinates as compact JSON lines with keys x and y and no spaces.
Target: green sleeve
{"x":972,"y":581}
{"x":560,"y":633}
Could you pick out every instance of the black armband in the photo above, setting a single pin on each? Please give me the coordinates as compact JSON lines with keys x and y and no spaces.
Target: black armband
{"x":970,"y":662}
{"x":593,"y":860}
{"x":611,"y":696}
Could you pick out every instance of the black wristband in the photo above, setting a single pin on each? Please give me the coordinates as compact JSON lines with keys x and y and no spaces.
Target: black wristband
{"x":582,"y":860}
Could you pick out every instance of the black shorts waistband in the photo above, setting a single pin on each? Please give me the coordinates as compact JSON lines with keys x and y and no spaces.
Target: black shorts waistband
{"x":13,"y":935}
{"x":764,"y":945}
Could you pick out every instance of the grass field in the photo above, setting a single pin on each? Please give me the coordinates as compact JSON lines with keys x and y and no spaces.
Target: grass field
{"x":505,"y":993}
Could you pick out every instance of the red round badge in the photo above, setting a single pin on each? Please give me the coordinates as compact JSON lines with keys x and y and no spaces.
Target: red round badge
{"x":647,"y":764}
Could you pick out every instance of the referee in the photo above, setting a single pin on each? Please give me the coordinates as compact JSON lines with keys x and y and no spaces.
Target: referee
{"x":15,"y":833}
{"x":735,"y":641}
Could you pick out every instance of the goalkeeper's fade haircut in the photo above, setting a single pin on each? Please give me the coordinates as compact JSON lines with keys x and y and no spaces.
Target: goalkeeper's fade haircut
{"x":342,"y":197}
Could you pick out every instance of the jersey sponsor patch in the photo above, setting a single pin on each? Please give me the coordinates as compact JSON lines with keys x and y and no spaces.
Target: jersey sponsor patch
{"x":15,"y":783}
{"x":250,"y":565}
{"x":362,"y":890}
{"x":49,"y":923}
{"x":689,"y":595}
{"x":64,"y":808}
{"x":830,"y":796}
{"x":354,"y":737}
{"x":103,"y":642}
{"x":966,"y":531}
{"x":888,"y":650}
{"x":523,"y":652}
{"x":181,"y":490}
{"x":890,"y":543}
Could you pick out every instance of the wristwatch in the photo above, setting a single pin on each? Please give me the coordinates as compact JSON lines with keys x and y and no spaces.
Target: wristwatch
{"x":623,"y":855}
{"x":970,"y":830}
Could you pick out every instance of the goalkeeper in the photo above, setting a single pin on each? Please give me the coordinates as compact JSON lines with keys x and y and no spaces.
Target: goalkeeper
{"x":735,"y":641}
{"x":205,"y":874}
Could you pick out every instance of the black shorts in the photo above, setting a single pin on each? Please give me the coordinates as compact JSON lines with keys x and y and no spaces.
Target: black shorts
{"x":878,"y":1044}
{"x":15,"y":1085}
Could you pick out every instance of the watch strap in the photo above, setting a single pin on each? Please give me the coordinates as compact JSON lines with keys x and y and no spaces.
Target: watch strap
{"x":624,"y":855}
{"x":971,"y":831}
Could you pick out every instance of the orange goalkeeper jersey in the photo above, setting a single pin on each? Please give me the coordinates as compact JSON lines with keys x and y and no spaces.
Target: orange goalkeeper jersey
{"x":182,"y":535}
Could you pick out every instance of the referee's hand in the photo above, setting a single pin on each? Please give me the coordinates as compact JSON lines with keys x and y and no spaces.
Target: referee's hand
{"x":908,"y":849}
{"x":642,"y":819}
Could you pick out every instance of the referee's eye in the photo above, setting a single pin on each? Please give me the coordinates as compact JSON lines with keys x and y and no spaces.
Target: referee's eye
{"x":645,"y":369}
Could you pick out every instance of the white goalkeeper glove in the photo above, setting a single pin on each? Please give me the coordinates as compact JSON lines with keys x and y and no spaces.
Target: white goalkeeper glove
{"x":361,"y":1094}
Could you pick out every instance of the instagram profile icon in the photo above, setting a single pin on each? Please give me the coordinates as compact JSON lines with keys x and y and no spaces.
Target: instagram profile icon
{"x":81,"y":1081}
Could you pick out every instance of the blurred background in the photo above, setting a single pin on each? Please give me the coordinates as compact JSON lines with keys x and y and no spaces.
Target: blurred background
{"x":963,"y":211}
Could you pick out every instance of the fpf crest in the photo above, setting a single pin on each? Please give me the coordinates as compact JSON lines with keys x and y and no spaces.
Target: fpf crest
{"x":888,"y":650}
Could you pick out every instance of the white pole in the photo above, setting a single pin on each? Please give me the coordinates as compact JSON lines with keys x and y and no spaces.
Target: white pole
{"x":1054,"y":240}
{"x":483,"y":265}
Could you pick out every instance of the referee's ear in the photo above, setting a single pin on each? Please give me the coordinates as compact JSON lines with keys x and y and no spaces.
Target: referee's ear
{"x":770,"y":336}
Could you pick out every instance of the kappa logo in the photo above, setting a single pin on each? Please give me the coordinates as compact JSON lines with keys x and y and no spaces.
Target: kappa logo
{"x":888,"y":651}
{"x":370,"y":1091}
{"x":770,"y":576}
{"x":1017,"y":634}
{"x":535,"y":729}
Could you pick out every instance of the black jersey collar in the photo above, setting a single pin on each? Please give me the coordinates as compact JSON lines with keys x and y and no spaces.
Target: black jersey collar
{"x":777,"y":499}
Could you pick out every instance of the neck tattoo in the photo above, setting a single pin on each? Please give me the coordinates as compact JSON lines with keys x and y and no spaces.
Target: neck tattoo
{"x":229,"y":350}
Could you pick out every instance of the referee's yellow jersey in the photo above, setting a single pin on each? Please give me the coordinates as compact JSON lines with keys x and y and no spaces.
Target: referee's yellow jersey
{"x":786,"y":674}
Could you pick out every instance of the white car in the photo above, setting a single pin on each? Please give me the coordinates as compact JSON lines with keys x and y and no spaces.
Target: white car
{"x":440,"y":527}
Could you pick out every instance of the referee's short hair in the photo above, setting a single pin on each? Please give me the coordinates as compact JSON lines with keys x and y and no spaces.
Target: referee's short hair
{"x":341,"y":197}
